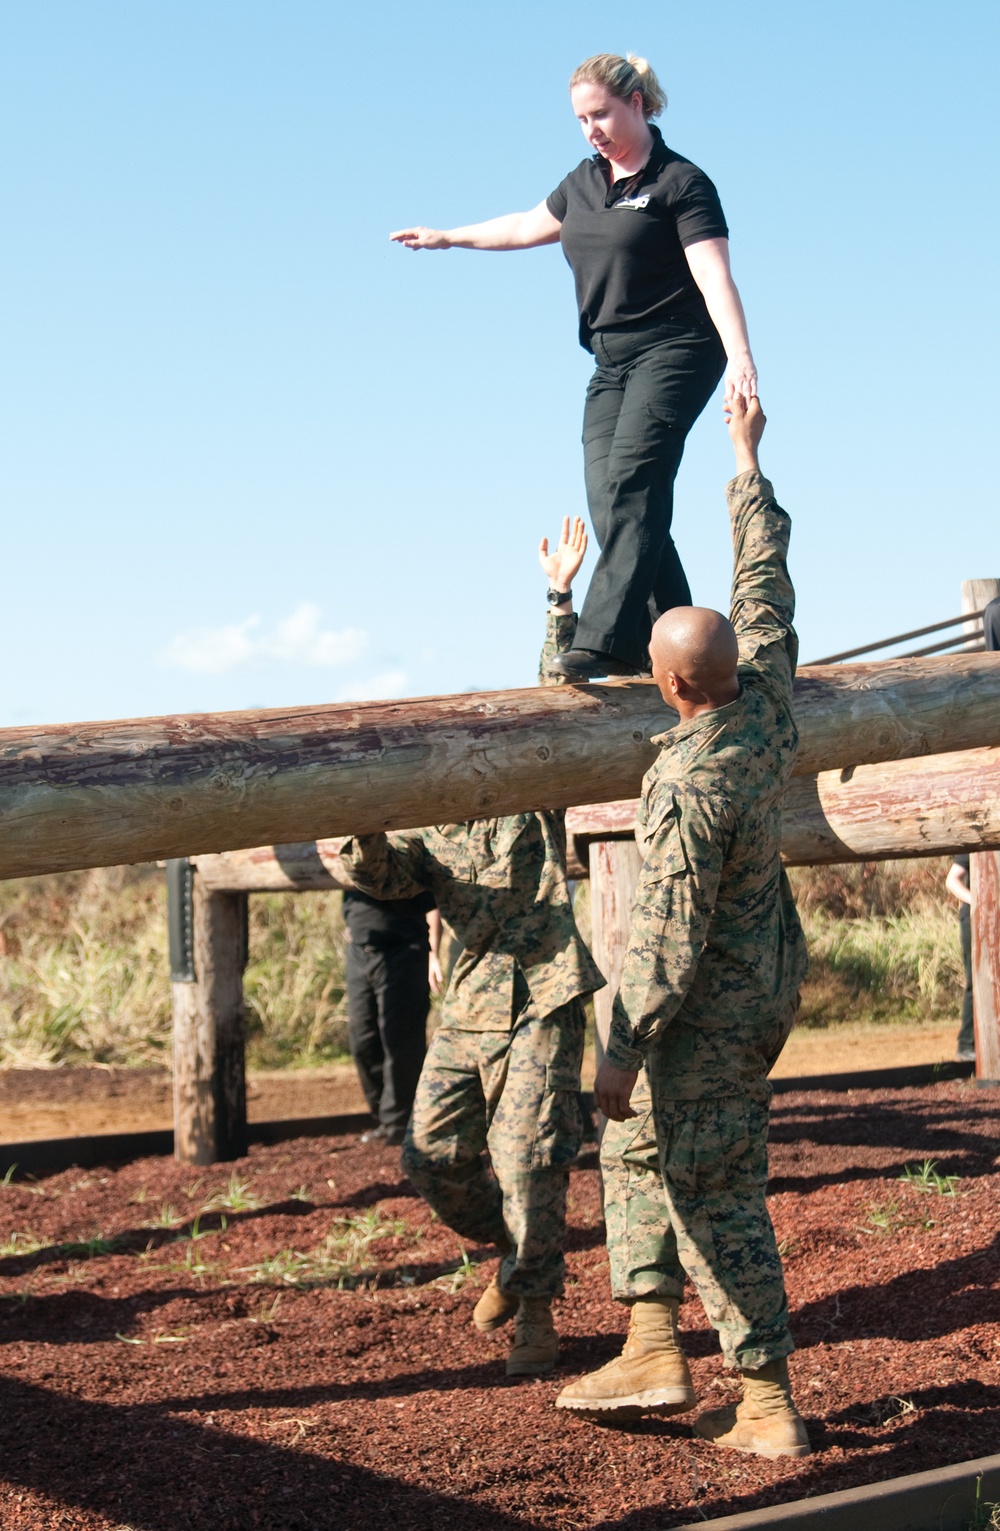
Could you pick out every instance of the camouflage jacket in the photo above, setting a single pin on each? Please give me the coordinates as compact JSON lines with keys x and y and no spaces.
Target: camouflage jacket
{"x":501,"y":886}
{"x":716,"y":953}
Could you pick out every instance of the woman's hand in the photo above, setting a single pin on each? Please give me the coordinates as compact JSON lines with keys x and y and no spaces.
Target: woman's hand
{"x":422,"y":239}
{"x":741,"y":377}
{"x":559,"y":567}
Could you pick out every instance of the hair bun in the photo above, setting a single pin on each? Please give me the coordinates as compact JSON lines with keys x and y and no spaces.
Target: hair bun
{"x":622,"y":76}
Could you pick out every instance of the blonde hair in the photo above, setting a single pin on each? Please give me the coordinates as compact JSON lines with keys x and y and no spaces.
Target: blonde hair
{"x":623,"y":77}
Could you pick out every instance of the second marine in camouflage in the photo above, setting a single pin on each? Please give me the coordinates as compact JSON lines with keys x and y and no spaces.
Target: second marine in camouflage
{"x":503,"y":1069}
{"x":709,"y":990}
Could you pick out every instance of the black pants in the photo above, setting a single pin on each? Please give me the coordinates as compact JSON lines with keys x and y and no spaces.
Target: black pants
{"x":648,"y":389}
{"x":991,"y":624}
{"x":387,"y":1001}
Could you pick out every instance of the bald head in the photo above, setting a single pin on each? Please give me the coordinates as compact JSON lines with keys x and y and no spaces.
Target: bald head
{"x":694,"y":654}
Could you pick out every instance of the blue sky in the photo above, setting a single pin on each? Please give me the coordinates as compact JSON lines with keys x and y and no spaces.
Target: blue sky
{"x":255,"y":455}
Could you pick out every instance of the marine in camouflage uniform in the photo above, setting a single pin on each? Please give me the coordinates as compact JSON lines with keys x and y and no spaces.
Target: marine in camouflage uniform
{"x":711,"y":978}
{"x":503,"y":1069}
{"x":708,"y":994}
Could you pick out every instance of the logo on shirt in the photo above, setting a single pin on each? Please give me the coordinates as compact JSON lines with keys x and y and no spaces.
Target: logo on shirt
{"x":634,"y":202}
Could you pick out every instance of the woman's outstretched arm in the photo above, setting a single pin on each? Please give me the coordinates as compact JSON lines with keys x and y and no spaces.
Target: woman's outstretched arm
{"x":513,"y":231}
{"x":709,"y":263}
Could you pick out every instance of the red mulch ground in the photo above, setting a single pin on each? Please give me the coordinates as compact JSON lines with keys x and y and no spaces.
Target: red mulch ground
{"x":151,"y":1383}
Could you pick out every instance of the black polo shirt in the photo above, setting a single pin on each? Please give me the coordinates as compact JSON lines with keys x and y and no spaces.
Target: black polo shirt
{"x":387,"y":921}
{"x":625,"y":240}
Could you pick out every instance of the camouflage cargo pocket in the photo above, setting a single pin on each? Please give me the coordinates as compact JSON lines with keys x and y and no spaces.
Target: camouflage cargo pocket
{"x":559,"y":1131}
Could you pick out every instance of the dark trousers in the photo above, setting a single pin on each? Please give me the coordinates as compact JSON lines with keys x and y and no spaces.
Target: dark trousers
{"x":967,"y":1033}
{"x":387,"y":1001}
{"x":648,"y":389}
{"x":991,"y":625}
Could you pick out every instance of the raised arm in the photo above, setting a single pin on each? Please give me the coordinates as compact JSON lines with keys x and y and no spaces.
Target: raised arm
{"x":512,"y":231}
{"x":763,"y":599}
{"x":560,"y":567}
{"x":708,"y":260}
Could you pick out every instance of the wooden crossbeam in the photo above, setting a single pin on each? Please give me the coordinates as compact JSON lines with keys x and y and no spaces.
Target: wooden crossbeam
{"x":102,"y":794}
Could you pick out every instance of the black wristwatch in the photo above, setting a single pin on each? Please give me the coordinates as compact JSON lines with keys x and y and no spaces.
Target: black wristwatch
{"x":558,"y":597}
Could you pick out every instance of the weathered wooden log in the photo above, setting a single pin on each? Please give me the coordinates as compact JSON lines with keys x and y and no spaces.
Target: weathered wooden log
{"x":210,"y":1112}
{"x":99,"y":794}
{"x":309,"y":866}
{"x":930,"y":807}
{"x":902,"y":808}
{"x":985,"y":912}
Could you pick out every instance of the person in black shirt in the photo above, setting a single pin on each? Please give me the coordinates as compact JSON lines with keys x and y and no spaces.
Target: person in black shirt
{"x":392,"y":956}
{"x":645,"y":236}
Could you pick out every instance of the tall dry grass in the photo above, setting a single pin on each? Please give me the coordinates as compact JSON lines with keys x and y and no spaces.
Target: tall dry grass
{"x":84,"y":977}
{"x":883,"y":942}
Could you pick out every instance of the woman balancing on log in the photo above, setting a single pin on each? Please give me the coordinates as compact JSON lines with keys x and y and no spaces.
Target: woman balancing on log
{"x":644,"y":233}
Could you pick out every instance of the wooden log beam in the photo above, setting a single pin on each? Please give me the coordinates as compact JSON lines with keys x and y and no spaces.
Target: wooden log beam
{"x":311,"y":866}
{"x":100,"y":794}
{"x":904,"y":808}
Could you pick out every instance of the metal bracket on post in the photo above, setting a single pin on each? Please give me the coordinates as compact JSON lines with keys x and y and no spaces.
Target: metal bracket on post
{"x":180,"y":919}
{"x":244,"y":931}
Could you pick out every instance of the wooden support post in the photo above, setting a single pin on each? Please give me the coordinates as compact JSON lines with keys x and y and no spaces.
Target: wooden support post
{"x":984,"y":881}
{"x":614,"y":874}
{"x":210,"y":1104}
{"x":985,"y":884}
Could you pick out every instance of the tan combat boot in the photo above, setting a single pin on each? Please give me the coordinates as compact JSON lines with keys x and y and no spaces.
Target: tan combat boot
{"x":649,"y":1377}
{"x":536,"y":1345}
{"x":494,"y":1308}
{"x":765,"y":1421}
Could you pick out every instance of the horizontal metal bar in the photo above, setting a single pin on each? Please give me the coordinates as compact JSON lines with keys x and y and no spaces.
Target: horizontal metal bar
{"x":973,"y":645}
{"x":888,"y":643}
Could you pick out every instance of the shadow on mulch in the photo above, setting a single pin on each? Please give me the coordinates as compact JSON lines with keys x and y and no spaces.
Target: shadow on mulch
{"x":379,"y":1190}
{"x":918,"y":1305}
{"x":852,"y":1429}
{"x":132,"y":1240}
{"x":82,"y":1318}
{"x":891,"y":1135}
{"x":142,"y":1466}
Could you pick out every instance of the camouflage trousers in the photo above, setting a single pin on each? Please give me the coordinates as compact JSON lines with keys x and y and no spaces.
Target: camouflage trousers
{"x":515,"y":1094}
{"x":684,"y":1186}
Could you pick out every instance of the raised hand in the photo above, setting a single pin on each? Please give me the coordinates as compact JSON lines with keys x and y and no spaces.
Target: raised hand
{"x":746,"y":422}
{"x":420,"y":238}
{"x":560,"y":566}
